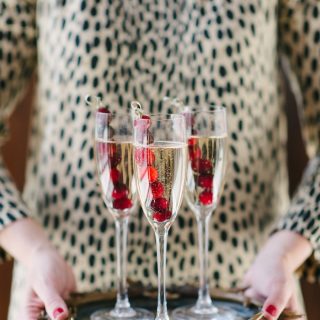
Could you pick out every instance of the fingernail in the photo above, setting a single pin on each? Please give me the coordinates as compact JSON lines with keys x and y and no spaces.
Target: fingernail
{"x":272,"y":310}
{"x":57,"y":311}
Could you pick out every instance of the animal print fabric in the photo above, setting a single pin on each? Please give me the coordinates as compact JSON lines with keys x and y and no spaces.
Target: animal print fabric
{"x":222,"y":52}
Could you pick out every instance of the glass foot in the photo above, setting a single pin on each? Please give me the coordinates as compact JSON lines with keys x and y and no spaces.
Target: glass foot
{"x":130,"y":314}
{"x":212,"y":313}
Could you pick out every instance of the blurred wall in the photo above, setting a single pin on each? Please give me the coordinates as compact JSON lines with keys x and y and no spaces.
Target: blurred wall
{"x":15,"y":151}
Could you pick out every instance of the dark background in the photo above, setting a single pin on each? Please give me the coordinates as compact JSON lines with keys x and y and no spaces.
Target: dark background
{"x":15,"y":152}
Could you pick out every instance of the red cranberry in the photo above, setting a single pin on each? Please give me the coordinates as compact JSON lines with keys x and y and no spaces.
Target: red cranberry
{"x":115,"y":175}
{"x":103,"y":110}
{"x":194,"y":153}
{"x":192,"y":141}
{"x":205,"y":181}
{"x":112,"y":149}
{"x":168,"y":214}
{"x":161,"y":217}
{"x":159,"y":205}
{"x":195,"y":165}
{"x":122,"y":204}
{"x":150,"y":157}
{"x":206,"y":197}
{"x":120,"y":191}
{"x":157,"y":189}
{"x":203,"y":166}
{"x":152,"y":174}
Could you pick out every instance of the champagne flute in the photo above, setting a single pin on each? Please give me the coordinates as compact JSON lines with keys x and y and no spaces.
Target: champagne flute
{"x":160,"y":154}
{"x":114,"y":157}
{"x":207,"y":150}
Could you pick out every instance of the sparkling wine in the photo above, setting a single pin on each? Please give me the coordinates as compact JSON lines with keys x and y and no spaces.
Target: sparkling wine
{"x":206,"y":170}
{"x":160,"y":172}
{"x":115,"y":169}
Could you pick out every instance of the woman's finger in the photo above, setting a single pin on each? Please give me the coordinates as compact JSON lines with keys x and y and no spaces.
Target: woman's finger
{"x":277,"y":300}
{"x":54,"y":304}
{"x":294,"y":305}
{"x":32,"y":306}
{"x":254,"y":295}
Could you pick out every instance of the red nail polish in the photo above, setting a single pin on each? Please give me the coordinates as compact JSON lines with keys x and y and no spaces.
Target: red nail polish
{"x":272,"y":310}
{"x":57,"y":311}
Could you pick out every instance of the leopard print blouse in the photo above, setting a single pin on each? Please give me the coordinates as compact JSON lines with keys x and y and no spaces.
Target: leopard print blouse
{"x":222,"y":52}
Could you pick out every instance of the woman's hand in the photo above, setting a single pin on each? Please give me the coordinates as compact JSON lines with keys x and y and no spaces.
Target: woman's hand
{"x":50,"y":281}
{"x":270,"y":280}
{"x":271,"y":277}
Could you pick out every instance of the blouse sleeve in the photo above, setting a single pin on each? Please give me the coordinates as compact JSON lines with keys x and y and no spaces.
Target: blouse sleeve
{"x":17,"y":63}
{"x":299,"y":41}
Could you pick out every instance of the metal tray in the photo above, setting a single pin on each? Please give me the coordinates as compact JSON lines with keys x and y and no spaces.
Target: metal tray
{"x":83,"y":305}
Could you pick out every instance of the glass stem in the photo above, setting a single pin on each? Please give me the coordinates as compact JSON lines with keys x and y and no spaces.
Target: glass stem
{"x":161,"y":238}
{"x":121,"y":242}
{"x":204,"y":299}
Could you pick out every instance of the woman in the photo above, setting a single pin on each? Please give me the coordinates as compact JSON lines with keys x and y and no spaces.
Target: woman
{"x":224,"y":52}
